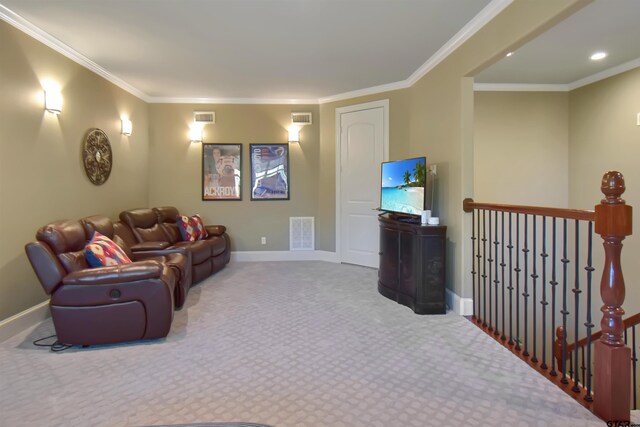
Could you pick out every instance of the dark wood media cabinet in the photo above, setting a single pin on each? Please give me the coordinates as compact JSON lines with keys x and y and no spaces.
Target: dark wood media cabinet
{"x":412,"y":264}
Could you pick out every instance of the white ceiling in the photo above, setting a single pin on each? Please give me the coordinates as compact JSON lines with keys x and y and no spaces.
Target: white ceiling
{"x":561,"y":55}
{"x":273,"y":49}
{"x":306,"y":50}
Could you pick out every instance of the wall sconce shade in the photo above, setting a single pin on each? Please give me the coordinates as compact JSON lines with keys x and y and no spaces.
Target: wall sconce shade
{"x":127,"y":127}
{"x":195,"y":133}
{"x":294,"y":134}
{"x":53,"y":101}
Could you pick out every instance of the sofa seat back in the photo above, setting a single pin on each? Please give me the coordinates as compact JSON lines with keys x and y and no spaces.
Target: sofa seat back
{"x":67,"y":240}
{"x":168,"y":217}
{"x":144,"y":225}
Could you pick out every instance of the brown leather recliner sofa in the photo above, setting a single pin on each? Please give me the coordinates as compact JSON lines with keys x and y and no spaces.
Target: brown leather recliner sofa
{"x":100,"y":305}
{"x":158,"y":226}
{"x":177,"y":258}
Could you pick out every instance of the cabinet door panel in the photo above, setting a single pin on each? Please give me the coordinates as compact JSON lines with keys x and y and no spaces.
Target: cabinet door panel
{"x":433,"y":270}
{"x":388,"y":270}
{"x":407,"y":279}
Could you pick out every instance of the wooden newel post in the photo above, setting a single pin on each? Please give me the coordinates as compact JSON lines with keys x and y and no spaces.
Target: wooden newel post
{"x":612,"y":358}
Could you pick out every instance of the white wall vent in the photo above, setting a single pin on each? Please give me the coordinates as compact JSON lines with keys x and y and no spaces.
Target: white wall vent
{"x":300,"y":119}
{"x":204,"y":117}
{"x":301,"y":233}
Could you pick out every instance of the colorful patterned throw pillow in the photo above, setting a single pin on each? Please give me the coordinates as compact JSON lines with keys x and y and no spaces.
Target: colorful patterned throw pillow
{"x":101,"y":251}
{"x":191,"y":228}
{"x":200,"y":226}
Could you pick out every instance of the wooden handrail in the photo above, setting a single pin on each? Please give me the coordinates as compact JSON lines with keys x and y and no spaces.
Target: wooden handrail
{"x":469,"y":205}
{"x":628,"y":323}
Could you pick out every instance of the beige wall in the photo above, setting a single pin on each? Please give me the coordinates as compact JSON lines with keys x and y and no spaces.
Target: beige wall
{"x":176,"y":169}
{"x":603,"y":136}
{"x":521,"y":148}
{"x":41,"y":174}
{"x":441,"y":120}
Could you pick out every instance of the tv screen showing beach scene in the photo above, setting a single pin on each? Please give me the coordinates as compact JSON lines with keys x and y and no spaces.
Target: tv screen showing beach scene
{"x":403,"y":184}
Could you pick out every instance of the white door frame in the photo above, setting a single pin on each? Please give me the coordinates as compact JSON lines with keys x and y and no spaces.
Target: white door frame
{"x":384,"y":103}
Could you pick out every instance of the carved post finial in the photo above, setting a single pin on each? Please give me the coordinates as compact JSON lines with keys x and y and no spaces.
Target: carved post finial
{"x":612,"y":187}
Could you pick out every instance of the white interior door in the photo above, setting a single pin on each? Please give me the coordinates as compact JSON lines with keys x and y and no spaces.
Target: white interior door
{"x":362,"y":147}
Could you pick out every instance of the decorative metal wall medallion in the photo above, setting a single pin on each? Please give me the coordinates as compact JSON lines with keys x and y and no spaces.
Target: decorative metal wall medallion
{"x":97,"y":156}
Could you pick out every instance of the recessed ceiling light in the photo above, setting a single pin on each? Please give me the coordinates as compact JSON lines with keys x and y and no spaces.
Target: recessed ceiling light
{"x":598,"y":56}
{"x":509,"y":54}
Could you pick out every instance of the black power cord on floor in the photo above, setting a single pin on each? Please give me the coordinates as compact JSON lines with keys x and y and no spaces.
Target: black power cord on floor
{"x":56,"y":347}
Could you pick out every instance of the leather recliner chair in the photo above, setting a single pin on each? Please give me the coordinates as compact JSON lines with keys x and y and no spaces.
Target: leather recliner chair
{"x":159,"y":225}
{"x":99,"y":305}
{"x":178,"y":259}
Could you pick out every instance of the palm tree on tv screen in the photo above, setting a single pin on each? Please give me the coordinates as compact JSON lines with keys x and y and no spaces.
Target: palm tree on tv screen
{"x":407,"y":178}
{"x":419,"y":173}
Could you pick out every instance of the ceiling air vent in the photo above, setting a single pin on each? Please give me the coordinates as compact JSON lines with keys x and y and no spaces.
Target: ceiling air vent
{"x":301,"y":118}
{"x":204,"y":117}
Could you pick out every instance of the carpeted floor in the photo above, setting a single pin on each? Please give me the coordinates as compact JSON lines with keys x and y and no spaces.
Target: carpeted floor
{"x":285,"y":344}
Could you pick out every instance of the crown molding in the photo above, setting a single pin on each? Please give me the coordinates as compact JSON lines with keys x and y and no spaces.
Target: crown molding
{"x":519,"y":87}
{"x":619,"y":69}
{"x":172,"y":100}
{"x":480,"y":20}
{"x":27,"y":27}
{"x":364,"y":92}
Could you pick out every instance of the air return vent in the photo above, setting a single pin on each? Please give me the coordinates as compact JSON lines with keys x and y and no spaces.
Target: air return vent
{"x":301,"y":118}
{"x":301,"y":233}
{"x":204,"y":117}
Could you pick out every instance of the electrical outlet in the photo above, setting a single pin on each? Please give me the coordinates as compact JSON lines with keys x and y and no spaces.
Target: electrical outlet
{"x":263,"y":240}
{"x":433,"y":169}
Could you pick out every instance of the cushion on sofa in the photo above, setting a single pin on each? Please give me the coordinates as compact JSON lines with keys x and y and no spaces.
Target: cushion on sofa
{"x":199,"y":223}
{"x":102,"y":252}
{"x":191,"y":228}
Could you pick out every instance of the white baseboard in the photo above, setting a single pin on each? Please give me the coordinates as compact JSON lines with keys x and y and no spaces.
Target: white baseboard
{"x":23,"y":320}
{"x":261,"y":256}
{"x":461,"y":306}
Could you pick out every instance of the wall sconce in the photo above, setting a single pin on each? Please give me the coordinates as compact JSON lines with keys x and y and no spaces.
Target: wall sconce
{"x":127,"y":127}
{"x":294,"y":134}
{"x":53,"y":101}
{"x":195,"y":133}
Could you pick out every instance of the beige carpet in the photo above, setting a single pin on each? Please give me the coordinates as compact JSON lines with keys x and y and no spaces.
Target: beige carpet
{"x":285,"y":344}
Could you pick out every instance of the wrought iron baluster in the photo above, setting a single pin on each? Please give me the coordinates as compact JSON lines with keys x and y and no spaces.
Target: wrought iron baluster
{"x":534,"y":280}
{"x":478,"y":256}
{"x":510,"y":288}
{"x":554,"y":284}
{"x":588,"y":324}
{"x":525,"y":294}
{"x":473,"y":262}
{"x":582,"y":365}
{"x":502,"y":266}
{"x":564,"y":311}
{"x":484,"y":268}
{"x":517,"y":270}
{"x":495,"y":270}
{"x":544,"y":302}
{"x":576,"y":291}
{"x":634,"y":361}
{"x":490,"y":283}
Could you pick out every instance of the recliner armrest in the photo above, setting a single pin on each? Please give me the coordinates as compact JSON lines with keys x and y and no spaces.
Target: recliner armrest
{"x":141,"y":255}
{"x":216,"y":230}
{"x":115,"y":274}
{"x":149,"y":246}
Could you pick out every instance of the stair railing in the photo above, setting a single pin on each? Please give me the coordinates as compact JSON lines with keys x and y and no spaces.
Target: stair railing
{"x":526,"y":260}
{"x":580,"y":346}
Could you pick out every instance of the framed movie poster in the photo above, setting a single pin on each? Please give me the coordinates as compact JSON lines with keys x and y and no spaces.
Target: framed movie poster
{"x":269,"y":171}
{"x":221,"y":172}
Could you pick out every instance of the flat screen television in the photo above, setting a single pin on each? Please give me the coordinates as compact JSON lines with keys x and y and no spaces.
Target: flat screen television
{"x":403,"y":186}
